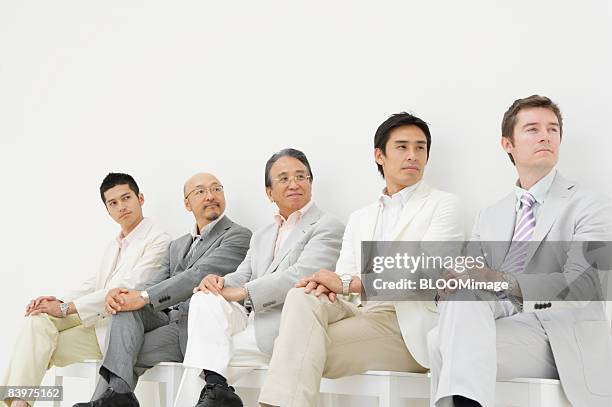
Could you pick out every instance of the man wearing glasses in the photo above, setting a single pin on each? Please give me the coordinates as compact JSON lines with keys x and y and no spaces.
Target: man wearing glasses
{"x":322,"y":335}
{"x":149,"y":325}
{"x":227,"y":339}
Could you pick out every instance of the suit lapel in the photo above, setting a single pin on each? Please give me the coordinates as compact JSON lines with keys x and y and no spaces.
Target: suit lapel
{"x":310,"y":218}
{"x":110,"y":263}
{"x":503,"y":229}
{"x":132,"y":248}
{"x":266,"y":248}
{"x":180,"y":254}
{"x":217,"y":231}
{"x":370,"y":220}
{"x":555,"y":201}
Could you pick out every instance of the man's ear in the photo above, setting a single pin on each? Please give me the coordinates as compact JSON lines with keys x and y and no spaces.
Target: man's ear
{"x":187,"y":205}
{"x":378,"y":156}
{"x":141,"y":198}
{"x":269,"y":193}
{"x":507,"y":145}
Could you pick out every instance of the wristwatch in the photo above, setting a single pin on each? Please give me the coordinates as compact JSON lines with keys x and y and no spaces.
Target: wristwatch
{"x":145,"y":296}
{"x":346,"y":282}
{"x":64,"y":309}
{"x":247,"y":299}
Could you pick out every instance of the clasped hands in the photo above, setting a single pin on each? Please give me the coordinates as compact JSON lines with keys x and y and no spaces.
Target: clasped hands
{"x":480,"y":274}
{"x":215,"y":284}
{"x":123,"y":299}
{"x":323,"y":282}
{"x":46,"y":304}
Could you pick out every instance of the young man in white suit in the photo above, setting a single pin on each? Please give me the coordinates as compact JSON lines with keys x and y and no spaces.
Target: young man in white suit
{"x":149,"y":323}
{"x":323,"y":335}
{"x":521,"y":332}
{"x":72,"y":328}
{"x":225,"y":340}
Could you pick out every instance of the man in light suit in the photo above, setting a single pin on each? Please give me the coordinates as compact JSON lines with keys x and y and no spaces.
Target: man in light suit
{"x":322,"y":335}
{"x":226,"y":341}
{"x":479,"y":341}
{"x":71,"y":329}
{"x":149,"y":324}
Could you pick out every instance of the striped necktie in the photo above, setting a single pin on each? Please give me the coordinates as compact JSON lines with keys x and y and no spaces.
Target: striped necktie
{"x":193,"y":250}
{"x":523,"y":232}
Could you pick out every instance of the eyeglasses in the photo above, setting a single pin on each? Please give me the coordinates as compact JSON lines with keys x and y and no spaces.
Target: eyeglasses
{"x":201,"y":191}
{"x":285,"y":179}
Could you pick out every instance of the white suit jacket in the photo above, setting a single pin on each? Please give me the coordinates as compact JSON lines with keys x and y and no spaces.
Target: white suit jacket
{"x":578,"y":331}
{"x":140,"y":261}
{"x":429,"y":215}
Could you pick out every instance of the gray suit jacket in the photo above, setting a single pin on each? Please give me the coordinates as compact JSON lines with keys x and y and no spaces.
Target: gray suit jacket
{"x":579,"y":334}
{"x":220,"y":253}
{"x":313,"y":244}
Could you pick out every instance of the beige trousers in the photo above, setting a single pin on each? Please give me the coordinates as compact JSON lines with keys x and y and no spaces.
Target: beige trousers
{"x":46,"y":341}
{"x":319,"y":338}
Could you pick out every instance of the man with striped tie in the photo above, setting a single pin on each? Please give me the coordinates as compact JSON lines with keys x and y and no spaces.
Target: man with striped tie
{"x":504,"y":334}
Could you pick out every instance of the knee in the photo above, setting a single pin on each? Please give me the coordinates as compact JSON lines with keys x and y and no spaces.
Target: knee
{"x":202,"y":300}
{"x":297,"y":297}
{"x":39,"y":323}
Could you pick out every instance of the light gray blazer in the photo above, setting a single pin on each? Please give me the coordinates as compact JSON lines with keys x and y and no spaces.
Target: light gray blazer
{"x":313,"y":244}
{"x":579,"y":334}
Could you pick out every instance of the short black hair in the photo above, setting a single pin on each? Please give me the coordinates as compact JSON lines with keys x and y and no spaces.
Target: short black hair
{"x":117,"y":178}
{"x":394,"y":121}
{"x":287,"y":152}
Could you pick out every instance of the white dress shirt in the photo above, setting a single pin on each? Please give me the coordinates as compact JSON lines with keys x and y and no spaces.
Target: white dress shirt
{"x":539,"y":191}
{"x":390,"y":210}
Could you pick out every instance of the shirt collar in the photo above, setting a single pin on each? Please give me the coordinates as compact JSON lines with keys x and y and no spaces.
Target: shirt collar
{"x":538,"y":191}
{"x":204,"y":232}
{"x":125,"y":240}
{"x":403,"y":195}
{"x":297,"y":215}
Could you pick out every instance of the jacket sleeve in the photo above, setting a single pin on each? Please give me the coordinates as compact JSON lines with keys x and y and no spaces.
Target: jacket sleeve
{"x":222,"y":260}
{"x":91,"y":307}
{"x":321,"y":250}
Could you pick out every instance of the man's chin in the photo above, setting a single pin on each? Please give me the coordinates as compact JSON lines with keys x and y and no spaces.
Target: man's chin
{"x":213,"y":216}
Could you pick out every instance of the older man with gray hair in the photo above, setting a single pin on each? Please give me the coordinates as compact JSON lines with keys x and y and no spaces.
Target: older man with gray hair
{"x":227,"y":339}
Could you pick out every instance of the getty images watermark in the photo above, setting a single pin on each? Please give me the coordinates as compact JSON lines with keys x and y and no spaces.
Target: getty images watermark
{"x":561,"y":271}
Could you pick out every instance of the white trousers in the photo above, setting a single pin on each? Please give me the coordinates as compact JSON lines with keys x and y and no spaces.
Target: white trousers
{"x":221,"y":338}
{"x":477,"y":342}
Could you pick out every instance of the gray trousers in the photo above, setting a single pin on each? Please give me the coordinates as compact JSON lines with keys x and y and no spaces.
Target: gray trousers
{"x":138,"y":340}
{"x":477,"y":342}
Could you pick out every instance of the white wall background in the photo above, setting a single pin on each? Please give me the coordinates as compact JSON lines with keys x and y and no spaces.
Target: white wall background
{"x":164,"y":89}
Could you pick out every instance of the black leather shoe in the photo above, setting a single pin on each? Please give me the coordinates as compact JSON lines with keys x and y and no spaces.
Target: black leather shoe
{"x":460,"y":401}
{"x":218,"y":395}
{"x":110,"y":398}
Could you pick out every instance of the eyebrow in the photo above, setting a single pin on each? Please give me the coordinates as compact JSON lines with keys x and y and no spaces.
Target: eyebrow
{"x":536,"y":123}
{"x":204,"y":186}
{"x":408,"y":142}
{"x":121,"y":196}
{"x":286,"y":172}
